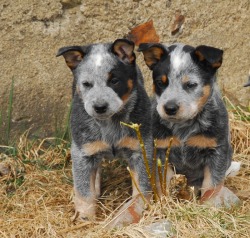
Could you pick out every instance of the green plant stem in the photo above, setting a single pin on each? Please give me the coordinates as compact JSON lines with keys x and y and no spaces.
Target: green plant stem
{"x":166,"y":165}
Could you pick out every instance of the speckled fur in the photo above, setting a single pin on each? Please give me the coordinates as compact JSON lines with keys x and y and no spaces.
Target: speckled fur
{"x":92,"y":69}
{"x":197,"y":114}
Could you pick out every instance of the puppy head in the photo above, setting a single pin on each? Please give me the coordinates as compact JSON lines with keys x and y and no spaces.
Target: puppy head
{"x":105,"y":75}
{"x":183,"y":78}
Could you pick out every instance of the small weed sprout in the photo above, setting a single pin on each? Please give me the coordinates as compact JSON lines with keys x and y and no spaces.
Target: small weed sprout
{"x":151,"y":174}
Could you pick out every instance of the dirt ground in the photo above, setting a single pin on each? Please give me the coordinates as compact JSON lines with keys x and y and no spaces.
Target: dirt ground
{"x":36,"y":190}
{"x":32,"y":32}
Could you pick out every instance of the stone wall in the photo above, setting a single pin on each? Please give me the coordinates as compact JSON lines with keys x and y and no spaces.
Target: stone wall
{"x":33,"y":31}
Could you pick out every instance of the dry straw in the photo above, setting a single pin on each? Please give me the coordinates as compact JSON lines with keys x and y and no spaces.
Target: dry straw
{"x":36,"y":195}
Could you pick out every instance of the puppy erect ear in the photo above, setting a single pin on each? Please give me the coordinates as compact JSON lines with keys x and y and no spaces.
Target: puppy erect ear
{"x":208,"y":56}
{"x":73,"y":55}
{"x":124,"y":49}
{"x":152,"y":52}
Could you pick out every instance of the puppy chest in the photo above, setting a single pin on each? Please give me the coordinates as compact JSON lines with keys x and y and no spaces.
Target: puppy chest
{"x":190,"y":157}
{"x":111,"y":133}
{"x":109,"y":148}
{"x":191,"y":152}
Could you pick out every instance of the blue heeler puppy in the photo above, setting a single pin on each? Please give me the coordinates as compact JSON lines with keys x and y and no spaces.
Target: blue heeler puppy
{"x":189,"y":108}
{"x":108,"y":89}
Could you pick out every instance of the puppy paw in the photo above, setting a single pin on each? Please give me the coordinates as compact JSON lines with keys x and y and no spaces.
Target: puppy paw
{"x":130,"y":212}
{"x":219,"y":198}
{"x":85,"y":209}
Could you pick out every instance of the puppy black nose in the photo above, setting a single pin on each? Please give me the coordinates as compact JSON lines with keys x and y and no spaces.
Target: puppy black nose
{"x":171,"y":108}
{"x":101,"y":108}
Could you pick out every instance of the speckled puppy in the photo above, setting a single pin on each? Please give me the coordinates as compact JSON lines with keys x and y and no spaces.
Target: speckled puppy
{"x":189,"y":108}
{"x":108,"y":89}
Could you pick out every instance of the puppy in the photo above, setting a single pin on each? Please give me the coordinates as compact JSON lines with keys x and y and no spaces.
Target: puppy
{"x":188,"y":108}
{"x":108,"y":89}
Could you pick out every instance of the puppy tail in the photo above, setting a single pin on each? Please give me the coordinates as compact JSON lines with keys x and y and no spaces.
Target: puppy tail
{"x":233,"y":169}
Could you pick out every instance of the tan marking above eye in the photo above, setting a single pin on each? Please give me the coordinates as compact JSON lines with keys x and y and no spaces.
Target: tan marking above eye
{"x":95,"y":147}
{"x":202,"y":100}
{"x":164,"y":143}
{"x":129,"y":143}
{"x":164,"y":79}
{"x":201,"y":141}
{"x":185,"y":79}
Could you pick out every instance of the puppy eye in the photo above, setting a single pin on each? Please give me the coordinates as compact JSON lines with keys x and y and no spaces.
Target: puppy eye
{"x":114,"y":81}
{"x":191,"y":85}
{"x":87,"y":84}
{"x":161,"y":84}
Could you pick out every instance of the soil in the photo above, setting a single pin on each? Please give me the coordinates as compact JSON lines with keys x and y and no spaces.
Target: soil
{"x":33,"y":31}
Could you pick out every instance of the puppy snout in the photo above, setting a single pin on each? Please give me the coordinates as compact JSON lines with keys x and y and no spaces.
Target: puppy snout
{"x":101,"y":108}
{"x":171,"y":108}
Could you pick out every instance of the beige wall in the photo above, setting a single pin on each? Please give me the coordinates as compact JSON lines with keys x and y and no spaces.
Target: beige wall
{"x":32,"y":31}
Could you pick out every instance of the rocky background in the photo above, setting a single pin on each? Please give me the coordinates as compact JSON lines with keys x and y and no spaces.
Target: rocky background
{"x":32,"y":31}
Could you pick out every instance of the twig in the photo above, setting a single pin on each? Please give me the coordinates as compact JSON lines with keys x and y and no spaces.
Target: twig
{"x":137,"y":187}
{"x":154,"y":188}
{"x":75,"y":227}
{"x":151,"y":176}
{"x":136,"y":127}
{"x":166,"y":165}
{"x":159,"y":166}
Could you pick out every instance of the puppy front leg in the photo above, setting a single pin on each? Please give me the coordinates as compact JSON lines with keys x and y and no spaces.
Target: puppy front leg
{"x":208,"y":189}
{"x":84,"y":174}
{"x":132,"y":211}
{"x":138,"y":168}
{"x":98,"y":182}
{"x":216,"y":194}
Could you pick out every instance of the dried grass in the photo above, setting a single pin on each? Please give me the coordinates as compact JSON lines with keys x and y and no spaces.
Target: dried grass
{"x":36,"y":196}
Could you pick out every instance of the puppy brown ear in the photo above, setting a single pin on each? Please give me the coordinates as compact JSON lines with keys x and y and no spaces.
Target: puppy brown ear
{"x":209,"y":56}
{"x":73,"y":55}
{"x":124,"y":49}
{"x":152,"y":53}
